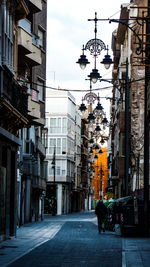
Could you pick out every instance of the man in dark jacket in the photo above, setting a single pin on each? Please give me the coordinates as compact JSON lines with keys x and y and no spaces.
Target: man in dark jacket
{"x":100,"y":211}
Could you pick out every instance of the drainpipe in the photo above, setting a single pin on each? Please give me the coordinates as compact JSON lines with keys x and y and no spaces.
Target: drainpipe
{"x":146,"y":126}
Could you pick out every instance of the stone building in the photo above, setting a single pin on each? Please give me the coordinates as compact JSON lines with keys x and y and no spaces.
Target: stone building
{"x":127,"y":109}
{"x":32,"y":74}
{"x":22,"y":112}
{"x":13,"y":113}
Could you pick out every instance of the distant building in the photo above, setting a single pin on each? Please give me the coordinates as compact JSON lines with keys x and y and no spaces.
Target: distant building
{"x":101,"y":174}
{"x":63,"y":123}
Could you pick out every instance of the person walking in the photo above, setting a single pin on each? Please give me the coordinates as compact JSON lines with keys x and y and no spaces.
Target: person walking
{"x":100,"y":212}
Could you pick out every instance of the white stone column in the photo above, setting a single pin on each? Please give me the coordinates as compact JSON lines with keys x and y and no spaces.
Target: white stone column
{"x":90,"y":200}
{"x":59,"y":199}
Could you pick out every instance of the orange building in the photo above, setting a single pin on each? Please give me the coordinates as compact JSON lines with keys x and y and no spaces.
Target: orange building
{"x":101,"y":174}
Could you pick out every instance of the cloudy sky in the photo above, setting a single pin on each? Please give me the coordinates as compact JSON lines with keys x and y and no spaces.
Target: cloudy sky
{"x":68,"y":30}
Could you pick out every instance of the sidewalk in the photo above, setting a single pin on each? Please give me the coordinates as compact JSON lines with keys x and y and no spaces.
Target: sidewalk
{"x":135,"y":252}
{"x":28,"y":237}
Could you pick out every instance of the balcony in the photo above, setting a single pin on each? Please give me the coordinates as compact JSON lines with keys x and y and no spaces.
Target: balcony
{"x":24,"y":36}
{"x":27,"y":166}
{"x":34,"y":5}
{"x":35,"y":57}
{"x":33,"y":108}
{"x":21,"y":11}
{"x":13,"y":105}
{"x":41,"y":147}
{"x":39,"y":183}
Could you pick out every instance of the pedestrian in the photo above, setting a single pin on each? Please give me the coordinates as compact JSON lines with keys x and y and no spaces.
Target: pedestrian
{"x":100,"y":211}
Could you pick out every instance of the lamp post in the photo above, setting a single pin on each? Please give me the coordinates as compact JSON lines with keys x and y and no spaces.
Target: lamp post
{"x":54,"y":204}
{"x":127,"y":93}
{"x":101,"y":181}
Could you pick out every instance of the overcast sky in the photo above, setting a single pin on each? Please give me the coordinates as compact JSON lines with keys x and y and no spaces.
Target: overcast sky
{"x":68,"y":29}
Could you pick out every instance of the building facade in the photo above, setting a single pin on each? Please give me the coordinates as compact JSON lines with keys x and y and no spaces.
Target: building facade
{"x":22,"y":101}
{"x":127,"y":110}
{"x":63,"y":125}
{"x":32,"y":76}
{"x":13,"y":114}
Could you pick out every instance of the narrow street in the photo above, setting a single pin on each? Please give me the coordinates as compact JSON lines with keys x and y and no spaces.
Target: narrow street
{"x":72,"y":240}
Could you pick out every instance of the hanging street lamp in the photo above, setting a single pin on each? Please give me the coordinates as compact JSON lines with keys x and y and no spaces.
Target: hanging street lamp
{"x":95,"y":46}
{"x":83,"y":61}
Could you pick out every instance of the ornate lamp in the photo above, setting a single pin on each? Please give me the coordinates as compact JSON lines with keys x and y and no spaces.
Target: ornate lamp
{"x":95,"y":46}
{"x":94,"y":75}
{"x":107,"y":61}
{"x":83,"y":61}
{"x":91,"y":118}
{"x":82,"y":107}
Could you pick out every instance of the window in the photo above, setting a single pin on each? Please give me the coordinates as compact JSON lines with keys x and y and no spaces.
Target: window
{"x":70,"y":147}
{"x":64,"y":125}
{"x":64,"y":149}
{"x":52,"y":145}
{"x":47,"y":122}
{"x":8,"y":39}
{"x":40,"y":88}
{"x":59,"y":144}
{"x":59,"y":125}
{"x":58,"y":151}
{"x":58,"y":170}
{"x":34,"y":95}
{"x":41,"y":38}
{"x":55,"y":125}
{"x":63,"y":168}
{"x":68,"y":168}
{"x":50,"y":169}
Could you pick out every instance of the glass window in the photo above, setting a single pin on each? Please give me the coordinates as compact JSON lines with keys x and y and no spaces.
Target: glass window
{"x":47,"y":122}
{"x":64,"y":145}
{"x":58,"y":146}
{"x":40,"y":88}
{"x":50,"y":172}
{"x":58,"y":125}
{"x":41,"y":38}
{"x":58,"y":170}
{"x":63,"y":172}
{"x":8,"y":39}
{"x":68,"y":168}
{"x":64,"y":125}
{"x":52,"y":145}
{"x":63,"y":167}
{"x":52,"y":142}
{"x":34,"y":95}
{"x":53,"y":125}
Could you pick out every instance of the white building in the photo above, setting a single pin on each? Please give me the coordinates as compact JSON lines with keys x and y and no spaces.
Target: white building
{"x":61,"y":124}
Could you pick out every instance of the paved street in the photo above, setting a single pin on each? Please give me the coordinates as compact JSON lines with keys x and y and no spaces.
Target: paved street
{"x":72,"y":240}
